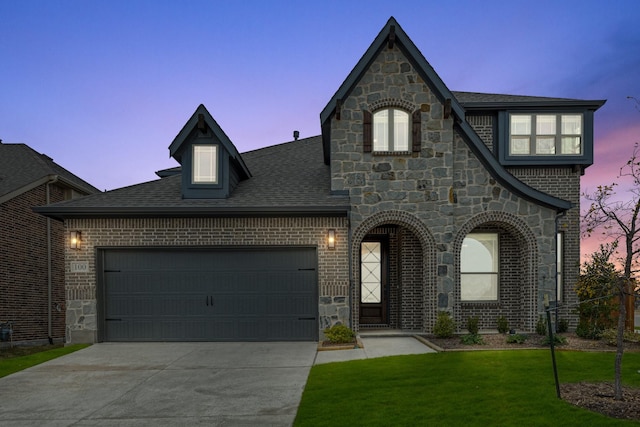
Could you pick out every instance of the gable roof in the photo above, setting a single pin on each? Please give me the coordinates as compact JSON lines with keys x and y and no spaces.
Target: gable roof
{"x":288,"y":180}
{"x":202,"y":116}
{"x":393,"y":31}
{"x":22,"y":169}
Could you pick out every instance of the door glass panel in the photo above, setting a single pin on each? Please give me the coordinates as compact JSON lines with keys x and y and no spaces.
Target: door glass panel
{"x":370,"y":270}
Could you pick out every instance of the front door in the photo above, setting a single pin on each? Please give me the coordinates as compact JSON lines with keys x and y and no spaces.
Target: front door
{"x":373,"y":282}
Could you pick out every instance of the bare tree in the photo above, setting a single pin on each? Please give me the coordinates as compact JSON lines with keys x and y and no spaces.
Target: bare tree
{"x":618,"y":220}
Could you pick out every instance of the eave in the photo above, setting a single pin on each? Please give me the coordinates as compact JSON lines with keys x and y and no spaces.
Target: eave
{"x":62,"y":213}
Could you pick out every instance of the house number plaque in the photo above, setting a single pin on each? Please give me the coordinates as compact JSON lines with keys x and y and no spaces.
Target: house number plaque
{"x":79,"y":266}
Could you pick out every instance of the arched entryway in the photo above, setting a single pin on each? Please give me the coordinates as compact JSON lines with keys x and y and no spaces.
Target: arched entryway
{"x":393,"y":273}
{"x":499,"y":275}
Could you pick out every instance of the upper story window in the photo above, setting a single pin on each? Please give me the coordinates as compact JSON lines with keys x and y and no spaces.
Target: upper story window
{"x":391,"y":130}
{"x":546,"y":135}
{"x":205,"y":164}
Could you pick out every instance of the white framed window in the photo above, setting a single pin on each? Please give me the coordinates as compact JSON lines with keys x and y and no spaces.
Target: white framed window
{"x":479,"y":267}
{"x":205,"y":164}
{"x":559,"y":265}
{"x":391,"y":130}
{"x":545,"y":134}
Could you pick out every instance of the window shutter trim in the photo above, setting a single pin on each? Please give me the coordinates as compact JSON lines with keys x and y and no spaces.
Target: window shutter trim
{"x":416,"y":131}
{"x":367,"y":136}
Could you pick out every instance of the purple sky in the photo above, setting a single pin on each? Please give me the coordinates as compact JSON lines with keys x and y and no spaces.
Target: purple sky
{"x":103,"y":87}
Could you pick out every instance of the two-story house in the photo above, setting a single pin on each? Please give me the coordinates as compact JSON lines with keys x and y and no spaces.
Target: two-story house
{"x":414,"y":200}
{"x":32,"y":268}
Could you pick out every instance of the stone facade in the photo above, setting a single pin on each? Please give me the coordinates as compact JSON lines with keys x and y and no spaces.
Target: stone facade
{"x":82,"y":322}
{"x":437,"y":196}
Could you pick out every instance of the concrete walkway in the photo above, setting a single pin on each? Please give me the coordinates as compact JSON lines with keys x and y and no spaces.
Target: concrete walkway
{"x":175,"y":384}
{"x":376,"y":347}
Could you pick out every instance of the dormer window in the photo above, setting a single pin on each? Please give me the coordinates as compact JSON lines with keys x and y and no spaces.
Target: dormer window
{"x":205,"y":164}
{"x":391,"y":130}
{"x":545,"y":135}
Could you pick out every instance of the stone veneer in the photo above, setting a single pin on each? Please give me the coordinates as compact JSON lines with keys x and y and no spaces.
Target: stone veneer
{"x":82,"y":322}
{"x":439,"y":195}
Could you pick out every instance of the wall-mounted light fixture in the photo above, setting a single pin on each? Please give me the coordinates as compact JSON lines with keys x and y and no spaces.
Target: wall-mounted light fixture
{"x":74,"y":239}
{"x":331,"y":239}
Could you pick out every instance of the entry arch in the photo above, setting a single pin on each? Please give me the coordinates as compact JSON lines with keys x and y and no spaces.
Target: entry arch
{"x":428,"y":261}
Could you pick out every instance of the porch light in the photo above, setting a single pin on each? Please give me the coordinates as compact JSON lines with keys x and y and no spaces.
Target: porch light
{"x":331,"y":238}
{"x":74,"y":239}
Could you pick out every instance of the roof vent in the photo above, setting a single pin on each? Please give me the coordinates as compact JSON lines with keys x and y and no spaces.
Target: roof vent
{"x":296,"y":135}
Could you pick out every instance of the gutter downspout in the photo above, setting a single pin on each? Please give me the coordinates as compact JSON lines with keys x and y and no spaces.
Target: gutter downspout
{"x":53,"y":179}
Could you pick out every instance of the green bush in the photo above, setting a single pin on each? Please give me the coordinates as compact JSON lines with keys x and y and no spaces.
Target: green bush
{"x":516,"y":338}
{"x":541,"y":326}
{"x":610,"y":336}
{"x":445,"y":327}
{"x":472,"y":339}
{"x":472,"y":325}
{"x":503,"y":325}
{"x":563,"y":325}
{"x":589,"y":330}
{"x":557,"y":340}
{"x":339,"y":334}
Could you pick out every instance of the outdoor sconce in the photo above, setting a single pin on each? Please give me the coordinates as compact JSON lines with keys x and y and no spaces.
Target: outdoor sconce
{"x":74,"y":239}
{"x":331,"y":239}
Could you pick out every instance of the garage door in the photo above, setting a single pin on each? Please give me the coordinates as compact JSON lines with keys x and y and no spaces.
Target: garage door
{"x":264,"y":294}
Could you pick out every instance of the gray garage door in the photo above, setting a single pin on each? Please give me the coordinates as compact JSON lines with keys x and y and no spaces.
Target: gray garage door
{"x":265,"y":294}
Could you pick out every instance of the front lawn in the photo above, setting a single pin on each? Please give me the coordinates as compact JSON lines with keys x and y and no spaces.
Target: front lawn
{"x":483,"y":388}
{"x":18,"y":358}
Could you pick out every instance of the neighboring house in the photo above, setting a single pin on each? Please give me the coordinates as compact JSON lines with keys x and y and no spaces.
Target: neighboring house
{"x":415,"y":199}
{"x":32,"y":275}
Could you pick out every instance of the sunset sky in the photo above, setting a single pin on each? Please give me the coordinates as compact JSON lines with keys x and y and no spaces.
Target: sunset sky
{"x":103,"y":87}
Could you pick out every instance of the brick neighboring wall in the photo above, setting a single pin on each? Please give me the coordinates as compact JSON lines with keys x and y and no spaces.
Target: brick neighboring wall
{"x":333,"y":281}
{"x":24,"y":270}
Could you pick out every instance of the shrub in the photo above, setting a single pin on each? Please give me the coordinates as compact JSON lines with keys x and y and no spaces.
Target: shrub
{"x":588,"y":330}
{"x":557,"y":340}
{"x":610,"y":336}
{"x":445,"y":326}
{"x":563,"y":325}
{"x":339,"y":334}
{"x":472,"y":339}
{"x":503,"y":325}
{"x":516,"y":338}
{"x":541,"y":326}
{"x":472,"y":325}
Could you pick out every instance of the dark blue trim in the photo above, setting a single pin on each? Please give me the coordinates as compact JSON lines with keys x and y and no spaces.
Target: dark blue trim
{"x":502,"y":143}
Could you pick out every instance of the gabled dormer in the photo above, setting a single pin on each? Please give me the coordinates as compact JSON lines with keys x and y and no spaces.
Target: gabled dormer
{"x":210,"y":163}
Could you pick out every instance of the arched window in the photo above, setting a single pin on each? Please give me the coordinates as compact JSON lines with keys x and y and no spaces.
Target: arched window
{"x":391,"y":130}
{"x":479,"y":267}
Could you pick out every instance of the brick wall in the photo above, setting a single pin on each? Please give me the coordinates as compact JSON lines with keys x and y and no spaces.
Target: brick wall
{"x":24,"y":269}
{"x":82,"y":322}
{"x":562,"y":182}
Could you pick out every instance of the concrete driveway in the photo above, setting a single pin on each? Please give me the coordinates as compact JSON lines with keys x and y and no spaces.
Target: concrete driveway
{"x":162,"y":384}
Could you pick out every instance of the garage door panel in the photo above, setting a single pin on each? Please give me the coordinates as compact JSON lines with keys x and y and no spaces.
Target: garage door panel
{"x":203,"y":295}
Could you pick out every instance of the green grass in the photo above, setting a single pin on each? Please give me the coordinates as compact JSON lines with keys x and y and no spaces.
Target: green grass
{"x":18,"y":358}
{"x":483,"y":388}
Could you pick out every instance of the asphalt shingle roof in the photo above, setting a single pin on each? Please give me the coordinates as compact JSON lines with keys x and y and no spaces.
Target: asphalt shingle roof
{"x":289,"y":177}
{"x":20,"y":166}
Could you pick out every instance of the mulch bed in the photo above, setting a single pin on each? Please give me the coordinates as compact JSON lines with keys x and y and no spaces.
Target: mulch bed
{"x":597,"y":397}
